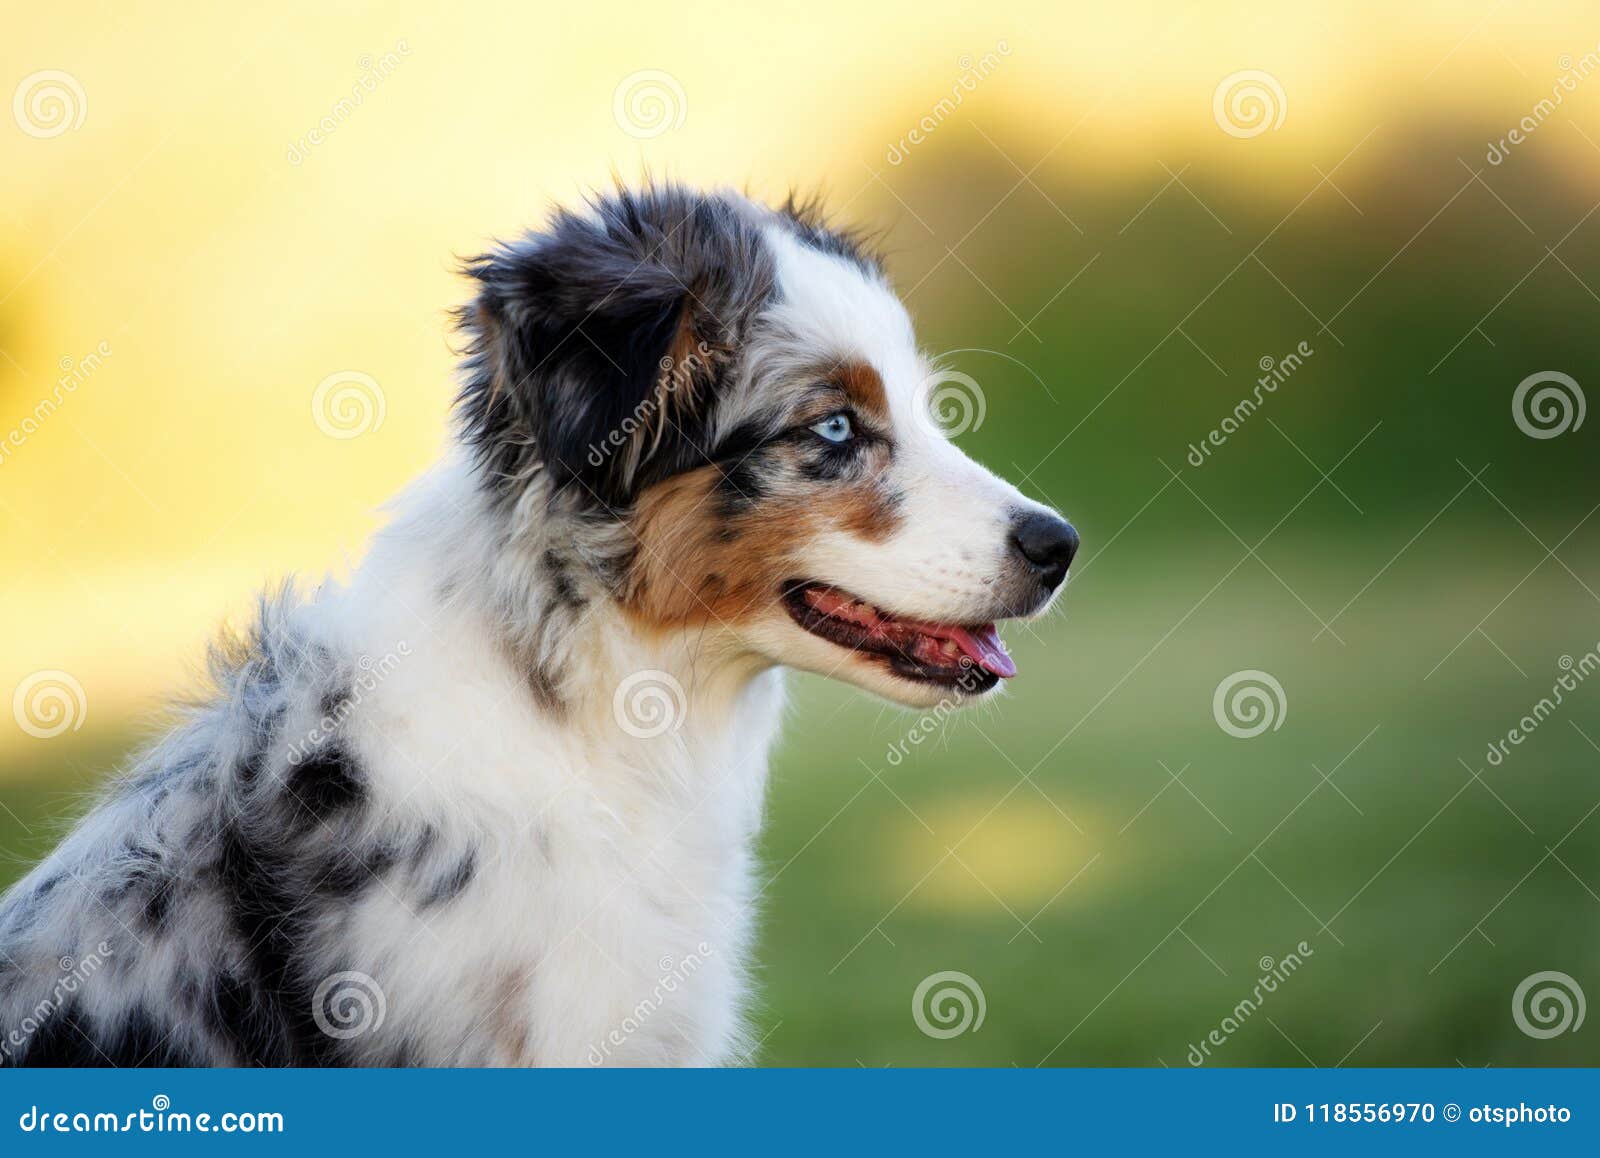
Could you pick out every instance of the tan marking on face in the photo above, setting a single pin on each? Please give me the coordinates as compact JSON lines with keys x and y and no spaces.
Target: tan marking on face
{"x":865,"y":389}
{"x":695,"y":566}
{"x":869,"y":509}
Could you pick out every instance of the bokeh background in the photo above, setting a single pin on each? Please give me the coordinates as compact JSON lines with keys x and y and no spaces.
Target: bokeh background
{"x":207,"y":214}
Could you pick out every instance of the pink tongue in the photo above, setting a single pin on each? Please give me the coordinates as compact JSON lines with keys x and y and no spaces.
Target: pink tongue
{"x":983,"y":648}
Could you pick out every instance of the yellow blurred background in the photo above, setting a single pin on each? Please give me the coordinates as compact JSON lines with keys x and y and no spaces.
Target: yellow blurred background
{"x":229,"y":267}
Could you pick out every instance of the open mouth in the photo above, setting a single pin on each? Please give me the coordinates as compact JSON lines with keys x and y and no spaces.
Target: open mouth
{"x":967,"y":658}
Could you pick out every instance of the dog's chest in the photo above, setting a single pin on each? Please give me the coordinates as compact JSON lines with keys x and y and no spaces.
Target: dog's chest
{"x":608,"y":913}
{"x":609,"y":906}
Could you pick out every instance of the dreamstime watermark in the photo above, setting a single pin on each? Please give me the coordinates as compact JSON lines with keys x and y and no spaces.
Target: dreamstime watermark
{"x":1548,"y":404}
{"x":1274,"y":373}
{"x":349,"y":1004}
{"x":929,"y":723}
{"x":948,"y":1004}
{"x":374,"y":71}
{"x":1574,"y":672}
{"x":369,"y":674}
{"x":48,"y":103}
{"x":1249,"y":702}
{"x":74,"y":974}
{"x":1248,"y":103}
{"x":649,"y":703}
{"x":48,"y":703}
{"x":348,"y":404}
{"x":1573,"y":73}
{"x":972,"y":73}
{"x":675,"y":374}
{"x":1548,"y":1004}
{"x":74,"y":373}
{"x":156,"y":1120}
{"x":673,"y":975}
{"x":950,"y":403}
{"x":1273,"y":974}
{"x":648,"y":103}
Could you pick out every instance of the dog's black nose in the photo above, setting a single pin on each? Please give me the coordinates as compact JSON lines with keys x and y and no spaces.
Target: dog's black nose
{"x":1047,"y":542}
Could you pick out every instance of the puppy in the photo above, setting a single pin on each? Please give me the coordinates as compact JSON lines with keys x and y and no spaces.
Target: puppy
{"x":494,"y":802}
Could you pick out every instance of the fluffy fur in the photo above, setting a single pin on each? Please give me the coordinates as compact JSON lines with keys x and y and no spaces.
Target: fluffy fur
{"x":494,"y":802}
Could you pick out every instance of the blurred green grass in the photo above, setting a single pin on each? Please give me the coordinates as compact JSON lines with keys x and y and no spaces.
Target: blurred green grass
{"x":1160,"y":936}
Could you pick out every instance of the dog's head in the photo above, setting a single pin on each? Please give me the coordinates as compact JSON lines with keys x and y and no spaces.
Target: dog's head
{"x":739,"y":390}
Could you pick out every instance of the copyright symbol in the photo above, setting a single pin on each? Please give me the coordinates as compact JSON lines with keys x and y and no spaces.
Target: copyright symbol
{"x":1452,"y":1112}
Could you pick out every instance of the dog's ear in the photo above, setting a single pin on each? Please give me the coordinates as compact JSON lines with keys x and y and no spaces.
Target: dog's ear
{"x":598,"y":345}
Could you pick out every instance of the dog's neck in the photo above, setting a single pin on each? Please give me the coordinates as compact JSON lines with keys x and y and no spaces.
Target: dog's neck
{"x":537,"y":593}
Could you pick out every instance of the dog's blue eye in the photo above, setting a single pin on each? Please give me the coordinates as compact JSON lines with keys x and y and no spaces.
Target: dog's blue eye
{"x":835,"y":428}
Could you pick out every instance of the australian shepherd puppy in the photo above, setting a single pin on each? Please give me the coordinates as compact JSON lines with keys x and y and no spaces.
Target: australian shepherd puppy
{"x":494,"y":801}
